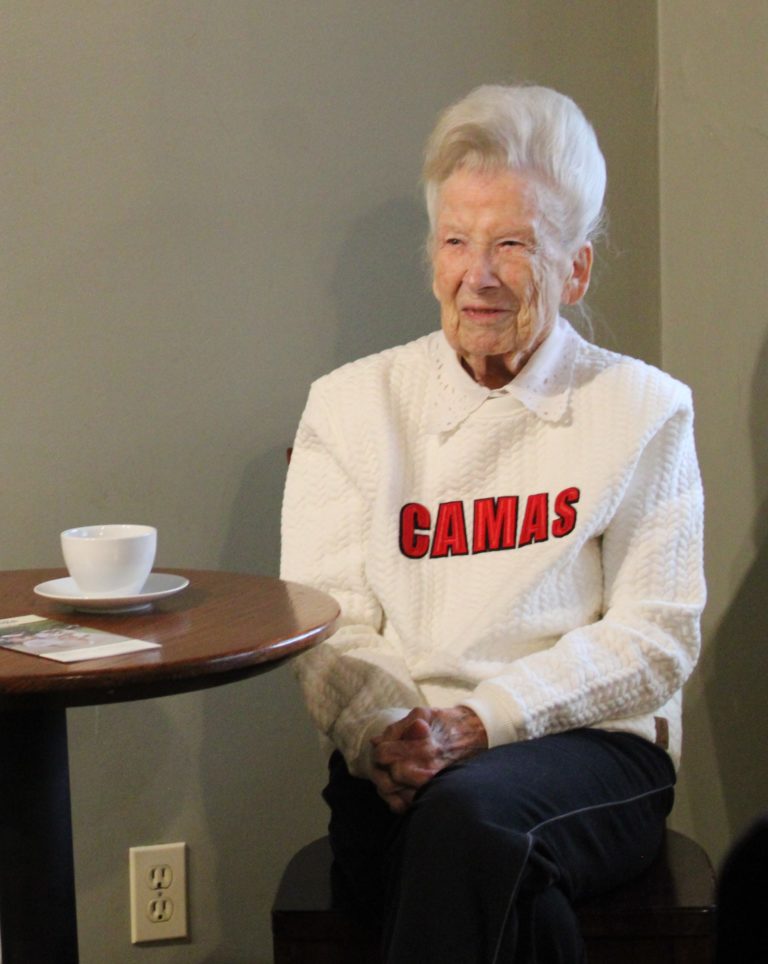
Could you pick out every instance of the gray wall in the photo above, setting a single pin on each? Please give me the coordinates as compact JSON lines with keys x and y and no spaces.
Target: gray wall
{"x":714,"y":157}
{"x":204,"y":206}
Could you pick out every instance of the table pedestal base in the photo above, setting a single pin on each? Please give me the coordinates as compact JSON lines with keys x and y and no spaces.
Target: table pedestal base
{"x":37,"y":892}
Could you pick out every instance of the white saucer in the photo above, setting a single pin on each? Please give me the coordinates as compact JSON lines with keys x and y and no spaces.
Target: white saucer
{"x":158,"y":585}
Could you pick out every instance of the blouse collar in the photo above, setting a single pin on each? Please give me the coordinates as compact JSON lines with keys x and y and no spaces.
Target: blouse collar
{"x":543,"y":386}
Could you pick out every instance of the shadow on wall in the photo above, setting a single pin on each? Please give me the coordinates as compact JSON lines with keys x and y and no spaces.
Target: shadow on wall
{"x":382,"y":289}
{"x":736,"y":664}
{"x":252,"y":543}
{"x":382,"y":283}
{"x":260,"y":776}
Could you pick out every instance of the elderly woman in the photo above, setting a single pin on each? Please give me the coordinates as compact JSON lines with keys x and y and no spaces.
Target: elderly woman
{"x":510,"y":518}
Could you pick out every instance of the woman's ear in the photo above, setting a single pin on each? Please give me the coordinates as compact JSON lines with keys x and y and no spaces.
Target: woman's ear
{"x":577,"y":282}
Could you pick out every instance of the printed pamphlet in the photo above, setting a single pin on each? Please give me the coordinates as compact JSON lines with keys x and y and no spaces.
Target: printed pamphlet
{"x":64,"y":642}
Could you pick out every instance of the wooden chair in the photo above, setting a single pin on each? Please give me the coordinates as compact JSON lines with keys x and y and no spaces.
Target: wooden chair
{"x":666,"y":916}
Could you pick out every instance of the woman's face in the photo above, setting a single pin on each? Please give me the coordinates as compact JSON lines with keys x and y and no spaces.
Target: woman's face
{"x":499,"y":275}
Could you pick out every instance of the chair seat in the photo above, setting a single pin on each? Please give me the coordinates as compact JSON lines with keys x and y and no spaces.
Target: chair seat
{"x":666,"y":916}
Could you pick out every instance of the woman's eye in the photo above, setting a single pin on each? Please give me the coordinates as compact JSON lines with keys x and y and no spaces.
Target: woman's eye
{"x":453,"y":242}
{"x":511,"y":243}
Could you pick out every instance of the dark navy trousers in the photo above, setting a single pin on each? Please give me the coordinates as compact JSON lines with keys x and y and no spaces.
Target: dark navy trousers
{"x":485,"y":866}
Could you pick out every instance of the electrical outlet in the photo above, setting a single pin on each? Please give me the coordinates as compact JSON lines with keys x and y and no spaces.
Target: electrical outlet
{"x":158,"y":892}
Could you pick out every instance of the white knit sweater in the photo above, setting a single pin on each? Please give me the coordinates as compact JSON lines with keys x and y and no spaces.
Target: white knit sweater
{"x":534,"y":554}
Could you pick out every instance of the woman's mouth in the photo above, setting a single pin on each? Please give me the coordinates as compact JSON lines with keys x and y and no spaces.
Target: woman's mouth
{"x":483,"y":312}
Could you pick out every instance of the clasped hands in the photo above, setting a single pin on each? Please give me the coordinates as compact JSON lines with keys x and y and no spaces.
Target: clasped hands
{"x":411,"y":751}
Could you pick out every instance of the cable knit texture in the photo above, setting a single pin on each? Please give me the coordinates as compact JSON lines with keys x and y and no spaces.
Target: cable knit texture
{"x":534,"y":554}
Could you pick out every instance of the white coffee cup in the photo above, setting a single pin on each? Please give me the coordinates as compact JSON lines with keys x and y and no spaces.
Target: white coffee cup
{"x":109,"y":560}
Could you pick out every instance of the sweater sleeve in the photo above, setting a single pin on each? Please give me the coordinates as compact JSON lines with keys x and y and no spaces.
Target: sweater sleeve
{"x":637,"y":656}
{"x":357,"y":682}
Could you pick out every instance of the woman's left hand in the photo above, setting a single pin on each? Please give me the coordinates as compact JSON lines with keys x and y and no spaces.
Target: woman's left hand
{"x":410,"y":752}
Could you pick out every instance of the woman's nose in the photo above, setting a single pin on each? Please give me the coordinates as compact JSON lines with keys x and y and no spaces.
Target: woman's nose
{"x":480,"y":271}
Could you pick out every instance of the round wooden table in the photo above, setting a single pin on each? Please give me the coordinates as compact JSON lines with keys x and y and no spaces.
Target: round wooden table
{"x":223,"y":627}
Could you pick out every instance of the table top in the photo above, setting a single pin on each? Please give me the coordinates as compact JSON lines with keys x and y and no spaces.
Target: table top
{"x":225,"y":626}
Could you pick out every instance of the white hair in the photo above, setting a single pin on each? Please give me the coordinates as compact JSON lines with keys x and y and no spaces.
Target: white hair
{"x":534,"y":130}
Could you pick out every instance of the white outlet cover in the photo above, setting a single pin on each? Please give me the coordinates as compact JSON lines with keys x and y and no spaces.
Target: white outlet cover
{"x":158,"y":877}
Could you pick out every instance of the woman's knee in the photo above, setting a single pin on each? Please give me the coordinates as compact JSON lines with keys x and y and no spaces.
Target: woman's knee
{"x":486,"y":789}
{"x":462,"y":809}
